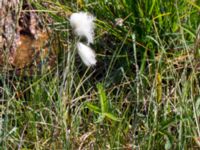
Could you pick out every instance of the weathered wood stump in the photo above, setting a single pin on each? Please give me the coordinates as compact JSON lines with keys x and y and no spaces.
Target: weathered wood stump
{"x":9,"y":36}
{"x":23,"y":38}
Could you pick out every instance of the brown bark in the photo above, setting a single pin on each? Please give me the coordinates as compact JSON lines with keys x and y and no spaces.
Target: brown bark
{"x":23,"y":40}
{"x":9,"y":36}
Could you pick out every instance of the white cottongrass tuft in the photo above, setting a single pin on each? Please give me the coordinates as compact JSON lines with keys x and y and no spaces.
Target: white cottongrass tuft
{"x":83,"y":24}
{"x":87,"y":54}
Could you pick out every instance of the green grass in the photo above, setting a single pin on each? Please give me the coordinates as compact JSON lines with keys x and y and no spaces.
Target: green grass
{"x":143,"y":94}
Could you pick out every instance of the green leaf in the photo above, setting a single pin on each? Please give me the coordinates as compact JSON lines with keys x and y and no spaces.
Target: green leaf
{"x":111,"y":116}
{"x":103,"y":98}
{"x":93,"y":108}
{"x":152,"y":7}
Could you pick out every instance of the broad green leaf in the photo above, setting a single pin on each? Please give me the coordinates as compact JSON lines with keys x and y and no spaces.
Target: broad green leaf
{"x":111,"y":116}
{"x":103,"y":98}
{"x":93,"y":108}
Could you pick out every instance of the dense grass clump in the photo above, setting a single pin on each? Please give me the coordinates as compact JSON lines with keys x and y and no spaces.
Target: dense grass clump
{"x":142,"y":94}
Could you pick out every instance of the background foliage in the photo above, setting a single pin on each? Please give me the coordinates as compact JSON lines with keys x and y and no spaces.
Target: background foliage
{"x":142,"y":94}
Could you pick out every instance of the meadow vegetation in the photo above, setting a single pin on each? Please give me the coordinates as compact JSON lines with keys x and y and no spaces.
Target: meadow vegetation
{"x":143,"y":92}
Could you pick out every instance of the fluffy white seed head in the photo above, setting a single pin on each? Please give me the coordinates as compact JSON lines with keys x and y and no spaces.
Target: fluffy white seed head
{"x":87,"y":54}
{"x":83,"y":24}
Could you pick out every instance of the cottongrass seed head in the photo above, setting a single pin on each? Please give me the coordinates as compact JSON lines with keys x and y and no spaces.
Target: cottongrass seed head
{"x":87,"y":55}
{"x":83,"y":24}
